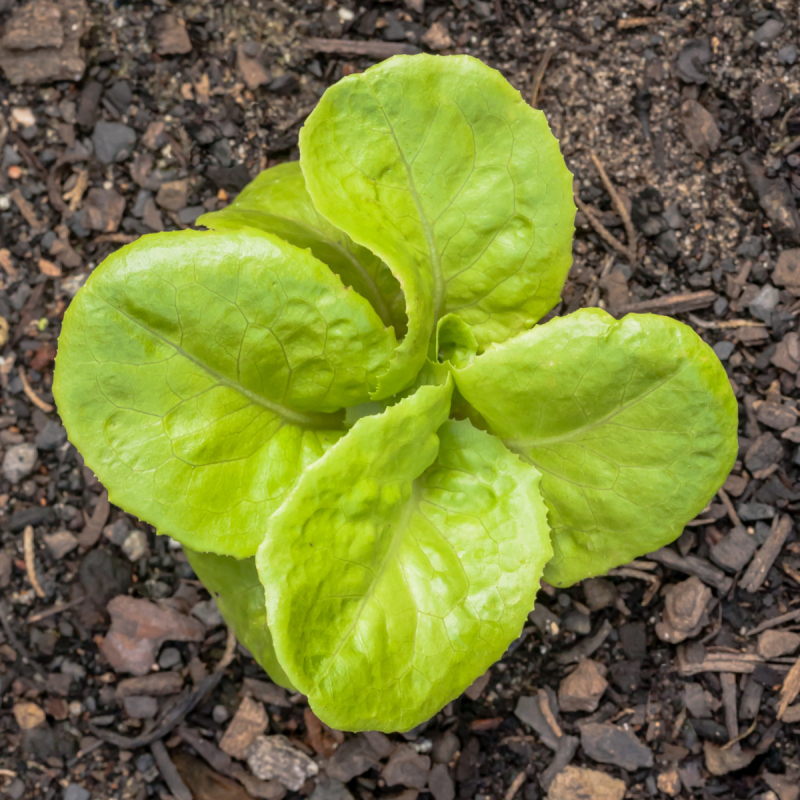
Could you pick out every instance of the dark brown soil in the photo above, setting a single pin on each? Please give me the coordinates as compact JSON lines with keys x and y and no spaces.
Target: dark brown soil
{"x":693,"y":110}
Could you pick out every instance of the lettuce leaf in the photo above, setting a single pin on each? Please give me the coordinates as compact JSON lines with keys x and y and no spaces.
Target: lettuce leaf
{"x":199,"y":373}
{"x":632,"y":424}
{"x":402,"y":565}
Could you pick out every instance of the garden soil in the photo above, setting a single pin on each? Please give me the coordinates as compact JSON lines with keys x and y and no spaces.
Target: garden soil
{"x":677,"y":676}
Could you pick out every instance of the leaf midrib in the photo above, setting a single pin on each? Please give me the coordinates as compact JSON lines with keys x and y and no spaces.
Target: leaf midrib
{"x":314,"y":420}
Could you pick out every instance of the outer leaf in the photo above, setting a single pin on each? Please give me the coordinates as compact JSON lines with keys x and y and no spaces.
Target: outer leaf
{"x":277,"y":202}
{"x":632,"y":424}
{"x":390,"y":587}
{"x":192,"y":368}
{"x":240,"y":599}
{"x":439,"y":167}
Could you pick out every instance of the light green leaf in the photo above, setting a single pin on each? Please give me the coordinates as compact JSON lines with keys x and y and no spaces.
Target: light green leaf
{"x":277,"y":202}
{"x":402,"y":565}
{"x":196,"y":374}
{"x":439,"y":167}
{"x":632,"y":424}
{"x":240,"y":598}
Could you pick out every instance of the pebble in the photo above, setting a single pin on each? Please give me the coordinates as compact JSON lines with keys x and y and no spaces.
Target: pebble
{"x":766,"y":101}
{"x":609,"y":744}
{"x":249,"y":721}
{"x":75,"y":792}
{"x":274,"y":758}
{"x":172,"y":195}
{"x":136,"y":545}
{"x":28,"y":715}
{"x":51,"y":436}
{"x":767,"y":32}
{"x":330,"y":789}
{"x":777,"y":416}
{"x":172,"y":38}
{"x":140,"y":706}
{"x":19,"y":462}
{"x":691,"y":60}
{"x":751,"y":512}
{"x":765,"y":302}
{"x":684,"y":607}
{"x":599,"y":593}
{"x":734,"y":550}
{"x":763,"y":453}
{"x":440,"y":783}
{"x":170,"y":657}
{"x":582,"y":689}
{"x":60,"y":543}
{"x":406,"y":767}
{"x":787,"y":55}
{"x":219,"y":714}
{"x":724,"y":349}
{"x":113,"y":141}
{"x":579,"y":783}
{"x":772,"y":644}
{"x":208,"y":613}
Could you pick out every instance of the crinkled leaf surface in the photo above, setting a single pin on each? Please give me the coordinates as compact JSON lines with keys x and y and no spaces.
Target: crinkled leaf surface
{"x":239,"y":594}
{"x":402,"y":565}
{"x":277,"y":202}
{"x":439,"y":167}
{"x":632,"y":424}
{"x":193,"y":370}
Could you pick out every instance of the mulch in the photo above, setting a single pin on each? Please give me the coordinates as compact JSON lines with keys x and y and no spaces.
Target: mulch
{"x":675,"y":676}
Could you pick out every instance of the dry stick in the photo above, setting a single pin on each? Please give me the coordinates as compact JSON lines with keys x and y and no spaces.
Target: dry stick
{"x":726,"y":501}
{"x":547,"y":713}
{"x":622,"y":210}
{"x":30,"y":564}
{"x":594,"y":298}
{"x":790,"y":616}
{"x":600,"y":229}
{"x":49,"y":612}
{"x":790,"y":689}
{"x":32,"y":396}
{"x":539,"y":76}
{"x":169,"y":772}
{"x":514,"y":788}
{"x":763,"y":560}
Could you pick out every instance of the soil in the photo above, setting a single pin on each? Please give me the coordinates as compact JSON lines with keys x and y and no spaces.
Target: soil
{"x":693,"y":111}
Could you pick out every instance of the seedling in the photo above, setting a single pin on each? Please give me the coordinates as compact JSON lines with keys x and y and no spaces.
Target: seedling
{"x":338,"y":401}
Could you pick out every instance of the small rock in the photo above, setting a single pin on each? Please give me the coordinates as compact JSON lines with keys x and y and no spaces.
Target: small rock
{"x":765,"y":451}
{"x":75,"y":792}
{"x":696,"y":700}
{"x":440,"y":783}
{"x":767,"y":32}
{"x":691,"y":61}
{"x":156,"y":684}
{"x":582,"y":689}
{"x":19,"y":462}
{"x":136,"y":545}
{"x":351,"y":759}
{"x":764,"y":303}
{"x":684,"y":609}
{"x":724,"y":349}
{"x":772,"y":644}
{"x":406,"y":767}
{"x":529,"y":711}
{"x":28,"y":716}
{"x":633,"y":638}
{"x":775,"y":198}
{"x":437,"y":37}
{"x":249,"y":721}
{"x":103,"y":210}
{"x":140,"y":706}
{"x":787,"y":271}
{"x":170,"y":657}
{"x":173,"y":195}
{"x":172,"y":38}
{"x":60,"y":543}
{"x":53,"y":435}
{"x":733,"y":551}
{"x":139,"y":628}
{"x":578,"y":783}
{"x":599,"y":593}
{"x":113,"y":141}
{"x":285,"y":84}
{"x":766,"y":101}
{"x":250,"y":67}
{"x":721,"y":761}
{"x":611,"y":745}
{"x":208,"y":613}
{"x":787,"y":55}
{"x":669,"y":782}
{"x":219,"y":714}
{"x":274,"y":758}
{"x":330,"y":789}
{"x":700,"y":128}
{"x":777,"y":416}
{"x":752,"y":512}
{"x":118,"y":531}
{"x":577,"y":622}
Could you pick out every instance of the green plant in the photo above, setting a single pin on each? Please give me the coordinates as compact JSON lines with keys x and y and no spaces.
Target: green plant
{"x":337,"y":400}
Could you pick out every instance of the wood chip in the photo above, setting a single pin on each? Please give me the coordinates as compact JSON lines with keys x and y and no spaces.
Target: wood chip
{"x":30,"y":562}
{"x":372,"y":48}
{"x":692,"y":565}
{"x":674,"y":304}
{"x":717,"y":661}
{"x":790,"y":689}
{"x":26,"y":209}
{"x":88,"y":537}
{"x":763,"y":560}
{"x":170,"y":774}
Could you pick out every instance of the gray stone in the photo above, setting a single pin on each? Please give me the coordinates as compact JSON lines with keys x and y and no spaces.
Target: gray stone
{"x":136,"y":545}
{"x":724,"y":349}
{"x":577,"y":623}
{"x":765,"y":451}
{"x":750,"y":512}
{"x":407,"y":767}
{"x":609,"y":744}
{"x":440,"y":783}
{"x":113,"y":141}
{"x":274,"y":758}
{"x":787,"y":55}
{"x":767,"y":32}
{"x":170,"y":657}
{"x":75,"y":792}
{"x":51,"y":436}
{"x":765,"y":302}
{"x":140,"y":706}
{"x":19,"y":462}
{"x":60,"y":543}
{"x":696,"y":700}
{"x":208,"y":613}
{"x":331,"y":789}
{"x":733,"y":551}
{"x":219,"y":714}
{"x":117,"y":532}
{"x":599,"y":593}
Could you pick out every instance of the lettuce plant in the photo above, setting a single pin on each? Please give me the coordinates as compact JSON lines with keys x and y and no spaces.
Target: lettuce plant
{"x":337,"y":398}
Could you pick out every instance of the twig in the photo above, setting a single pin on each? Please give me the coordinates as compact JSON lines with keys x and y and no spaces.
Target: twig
{"x":182,"y":708}
{"x":726,"y":501}
{"x":606,"y":268}
{"x":791,"y":616}
{"x":30,"y":564}
{"x":514,"y":787}
{"x":539,"y":76}
{"x":673,"y":304}
{"x":169,"y":772}
{"x":51,"y":611}
{"x":32,"y":396}
{"x":724,"y":324}
{"x":599,"y":228}
{"x":350,"y":47}
{"x":790,"y":689}
{"x":622,"y":210}
{"x":547,"y":713}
